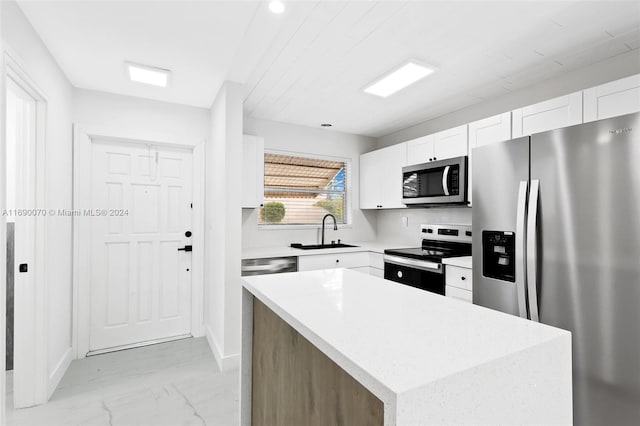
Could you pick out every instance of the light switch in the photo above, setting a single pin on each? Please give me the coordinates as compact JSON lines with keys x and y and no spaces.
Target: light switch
{"x":405,"y":221}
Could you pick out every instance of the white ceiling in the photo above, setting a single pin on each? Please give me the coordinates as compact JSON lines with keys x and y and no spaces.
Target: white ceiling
{"x":309,"y":65}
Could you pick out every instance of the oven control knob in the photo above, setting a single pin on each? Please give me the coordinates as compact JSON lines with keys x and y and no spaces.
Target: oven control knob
{"x":399,"y":274}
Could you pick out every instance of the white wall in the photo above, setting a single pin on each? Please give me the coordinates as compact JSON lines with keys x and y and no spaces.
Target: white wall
{"x":223,"y":202}
{"x":128,"y":115}
{"x":307,"y":140}
{"x":27,"y":48}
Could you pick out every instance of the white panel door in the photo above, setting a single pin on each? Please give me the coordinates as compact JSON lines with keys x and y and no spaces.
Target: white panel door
{"x":450,"y":143}
{"x":420,"y":150}
{"x":485,"y":132}
{"x":616,"y":98}
{"x":548,"y":115}
{"x":140,"y":282}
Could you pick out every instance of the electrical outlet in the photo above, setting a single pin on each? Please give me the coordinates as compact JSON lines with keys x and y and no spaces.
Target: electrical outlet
{"x":405,"y":221}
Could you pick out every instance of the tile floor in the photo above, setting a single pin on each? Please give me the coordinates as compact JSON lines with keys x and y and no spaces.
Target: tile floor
{"x":176,"y":383}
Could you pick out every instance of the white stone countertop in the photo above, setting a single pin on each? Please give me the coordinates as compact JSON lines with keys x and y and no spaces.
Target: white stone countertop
{"x":420,"y":352}
{"x":462,"y":261}
{"x":282,"y":251}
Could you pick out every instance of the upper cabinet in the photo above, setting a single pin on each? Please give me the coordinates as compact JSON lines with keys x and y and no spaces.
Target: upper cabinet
{"x":485,"y":132}
{"x":439,"y":146}
{"x":252,"y":171}
{"x":490,"y":130}
{"x":616,"y":98}
{"x":380,"y":171}
{"x":450,"y":143}
{"x":381,"y":178}
{"x":420,"y":150}
{"x":548,"y":115}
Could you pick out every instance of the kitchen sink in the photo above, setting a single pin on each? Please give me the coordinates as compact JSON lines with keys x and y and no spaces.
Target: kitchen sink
{"x":319,"y":246}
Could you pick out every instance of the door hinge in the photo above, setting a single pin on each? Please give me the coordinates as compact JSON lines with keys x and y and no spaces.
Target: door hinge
{"x":191,"y":205}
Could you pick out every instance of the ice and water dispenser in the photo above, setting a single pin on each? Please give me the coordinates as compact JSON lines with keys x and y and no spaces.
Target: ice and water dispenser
{"x":498,"y":255}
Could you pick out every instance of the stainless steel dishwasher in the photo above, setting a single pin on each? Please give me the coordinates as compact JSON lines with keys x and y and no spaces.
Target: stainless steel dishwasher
{"x":271,"y":265}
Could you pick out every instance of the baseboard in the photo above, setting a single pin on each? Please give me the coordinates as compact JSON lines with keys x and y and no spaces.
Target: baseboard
{"x":225,"y":363}
{"x":58,"y":372}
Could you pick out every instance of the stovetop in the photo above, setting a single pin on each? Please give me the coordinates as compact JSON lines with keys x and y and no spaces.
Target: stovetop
{"x":443,"y":241}
{"x":431,"y":253}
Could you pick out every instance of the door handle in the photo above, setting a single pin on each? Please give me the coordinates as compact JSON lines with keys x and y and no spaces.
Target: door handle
{"x":445,"y":180}
{"x":532,"y":250}
{"x":186,"y":248}
{"x":521,"y":264}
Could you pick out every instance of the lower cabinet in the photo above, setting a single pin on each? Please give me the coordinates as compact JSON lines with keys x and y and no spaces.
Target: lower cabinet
{"x":369,"y":270}
{"x":366,"y":262}
{"x":459,"y":283}
{"x":328,"y":261}
{"x":292,"y":382}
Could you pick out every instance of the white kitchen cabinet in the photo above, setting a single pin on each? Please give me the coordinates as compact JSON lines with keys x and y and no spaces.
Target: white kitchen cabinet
{"x":548,"y":115}
{"x":459,"y":294}
{"x":420,"y":150}
{"x":459,"y":283}
{"x":438,"y":146}
{"x":376,"y":260}
{"x":490,"y":130}
{"x":376,"y":272}
{"x":252,"y":171}
{"x":370,"y":271}
{"x":369,"y":188}
{"x":485,"y":132}
{"x":337,"y":260}
{"x":451,"y":143}
{"x":612,"y":99}
{"x":376,"y":264}
{"x":381,"y":178}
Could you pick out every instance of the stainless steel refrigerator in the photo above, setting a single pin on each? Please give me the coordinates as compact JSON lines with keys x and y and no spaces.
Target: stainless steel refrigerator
{"x":556,"y":239}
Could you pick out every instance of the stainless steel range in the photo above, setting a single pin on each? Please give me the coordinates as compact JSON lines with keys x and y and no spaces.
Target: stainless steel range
{"x":421,"y":267}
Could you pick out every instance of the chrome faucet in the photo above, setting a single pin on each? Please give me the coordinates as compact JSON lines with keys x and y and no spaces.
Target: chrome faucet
{"x":335,"y":224}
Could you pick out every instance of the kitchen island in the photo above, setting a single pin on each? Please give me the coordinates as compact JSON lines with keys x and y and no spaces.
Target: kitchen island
{"x":342,"y":347}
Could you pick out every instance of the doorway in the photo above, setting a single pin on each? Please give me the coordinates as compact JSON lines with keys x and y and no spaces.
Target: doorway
{"x":23,"y":356}
{"x":140,"y":251}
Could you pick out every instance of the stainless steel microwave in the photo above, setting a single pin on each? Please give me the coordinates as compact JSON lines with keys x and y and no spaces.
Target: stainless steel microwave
{"x":436,"y":182}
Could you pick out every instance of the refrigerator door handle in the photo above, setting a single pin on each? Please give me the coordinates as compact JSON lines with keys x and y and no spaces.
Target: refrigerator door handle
{"x":532,"y":250}
{"x":521,"y":265}
{"x":445,"y":180}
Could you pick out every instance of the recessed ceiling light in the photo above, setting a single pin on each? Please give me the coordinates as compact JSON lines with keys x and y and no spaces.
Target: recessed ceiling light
{"x":398,"y":79}
{"x":276,"y":7}
{"x":148,"y":75}
{"x":326,"y":125}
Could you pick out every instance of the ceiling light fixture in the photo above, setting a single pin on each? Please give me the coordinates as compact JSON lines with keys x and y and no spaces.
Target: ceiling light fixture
{"x":276,"y":7}
{"x":397,"y":80}
{"x":147,"y":75}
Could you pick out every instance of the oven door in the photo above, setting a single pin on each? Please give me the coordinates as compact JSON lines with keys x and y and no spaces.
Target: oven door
{"x":415,"y":273}
{"x":438,"y":182}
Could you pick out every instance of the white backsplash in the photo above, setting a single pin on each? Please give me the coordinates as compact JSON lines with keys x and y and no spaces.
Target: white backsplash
{"x":391,"y":227}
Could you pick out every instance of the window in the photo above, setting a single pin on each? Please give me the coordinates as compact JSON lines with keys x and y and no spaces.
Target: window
{"x":302,"y":190}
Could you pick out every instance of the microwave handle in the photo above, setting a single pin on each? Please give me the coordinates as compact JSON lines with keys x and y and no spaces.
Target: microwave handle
{"x":445,"y":180}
